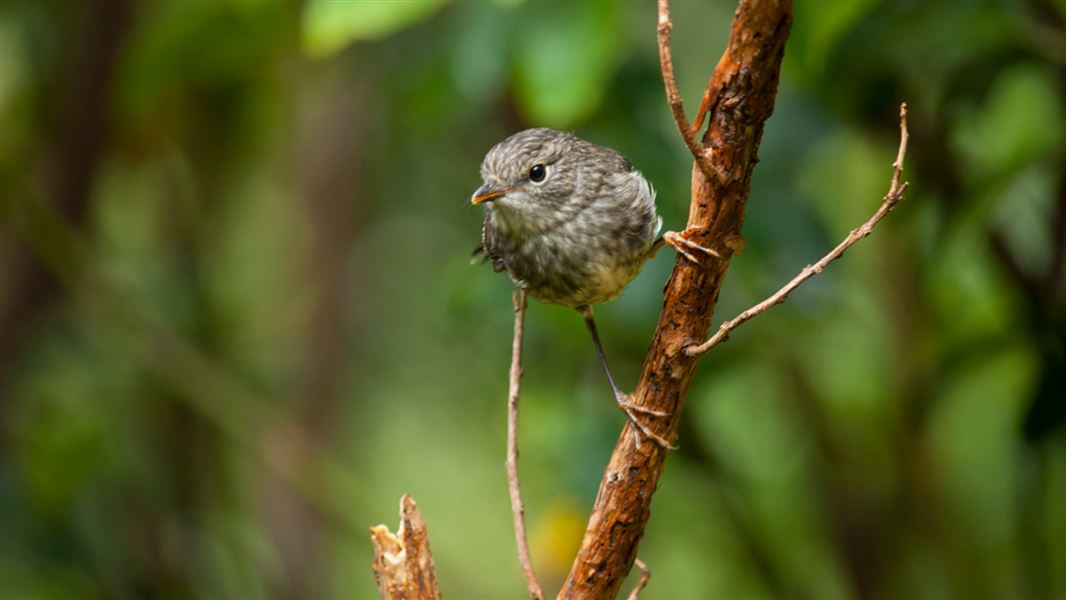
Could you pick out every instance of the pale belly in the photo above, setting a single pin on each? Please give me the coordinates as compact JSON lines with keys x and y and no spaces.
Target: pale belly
{"x":587,"y":259}
{"x":578,"y":277}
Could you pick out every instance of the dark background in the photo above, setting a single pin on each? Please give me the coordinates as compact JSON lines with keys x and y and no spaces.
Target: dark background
{"x":237,"y":319}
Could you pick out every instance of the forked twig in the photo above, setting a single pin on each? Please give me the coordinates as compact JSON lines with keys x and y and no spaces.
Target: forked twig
{"x":673,"y":98}
{"x":518,"y":510}
{"x":894,"y":195}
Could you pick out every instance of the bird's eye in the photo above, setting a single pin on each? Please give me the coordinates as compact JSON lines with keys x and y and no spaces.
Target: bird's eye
{"x":537,"y":173}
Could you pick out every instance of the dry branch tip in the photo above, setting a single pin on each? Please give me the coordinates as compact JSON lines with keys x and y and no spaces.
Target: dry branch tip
{"x":403,"y":563}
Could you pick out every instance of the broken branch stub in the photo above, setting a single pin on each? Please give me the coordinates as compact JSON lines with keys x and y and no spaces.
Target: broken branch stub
{"x":403,"y":564}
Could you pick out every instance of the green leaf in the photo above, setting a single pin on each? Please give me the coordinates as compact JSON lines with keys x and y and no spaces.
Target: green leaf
{"x":330,"y":25}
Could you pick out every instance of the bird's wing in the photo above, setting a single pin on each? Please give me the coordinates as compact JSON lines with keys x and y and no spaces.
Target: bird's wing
{"x":636,"y":215}
{"x":486,"y":250}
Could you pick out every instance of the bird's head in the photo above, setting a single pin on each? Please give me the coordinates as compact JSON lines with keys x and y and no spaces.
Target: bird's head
{"x":540,"y":172}
{"x":530,"y":169}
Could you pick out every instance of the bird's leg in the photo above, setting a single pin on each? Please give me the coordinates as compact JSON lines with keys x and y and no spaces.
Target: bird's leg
{"x":682,"y":243}
{"x":627,"y":405}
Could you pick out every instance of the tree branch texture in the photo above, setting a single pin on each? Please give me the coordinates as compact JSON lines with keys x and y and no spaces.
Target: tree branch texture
{"x":740,"y":98}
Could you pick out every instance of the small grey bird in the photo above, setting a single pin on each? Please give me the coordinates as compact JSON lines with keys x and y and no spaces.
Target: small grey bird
{"x":572,"y":223}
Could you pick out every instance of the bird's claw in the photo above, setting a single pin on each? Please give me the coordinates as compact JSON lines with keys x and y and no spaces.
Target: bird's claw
{"x":625,"y":402}
{"x":629,"y":408}
{"x":685,"y":246}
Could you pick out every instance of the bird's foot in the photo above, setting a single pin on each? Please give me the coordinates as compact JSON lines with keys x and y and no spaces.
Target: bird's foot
{"x":630,"y":409}
{"x":682,"y":243}
{"x":626,"y":403}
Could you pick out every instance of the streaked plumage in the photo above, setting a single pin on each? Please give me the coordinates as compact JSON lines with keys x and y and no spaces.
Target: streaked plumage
{"x":579,"y":236}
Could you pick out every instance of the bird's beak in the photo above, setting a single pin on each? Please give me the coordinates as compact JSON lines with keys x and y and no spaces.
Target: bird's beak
{"x":487,"y":193}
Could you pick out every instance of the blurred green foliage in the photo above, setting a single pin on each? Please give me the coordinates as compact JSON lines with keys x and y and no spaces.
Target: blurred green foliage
{"x":237,"y":318}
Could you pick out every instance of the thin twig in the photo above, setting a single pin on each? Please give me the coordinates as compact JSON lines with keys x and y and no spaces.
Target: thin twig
{"x":894,"y":195}
{"x":673,"y":97}
{"x":645,"y":575}
{"x":518,"y":510}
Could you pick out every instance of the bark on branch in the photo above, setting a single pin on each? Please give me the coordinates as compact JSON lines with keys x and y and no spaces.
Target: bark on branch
{"x":739,"y":99}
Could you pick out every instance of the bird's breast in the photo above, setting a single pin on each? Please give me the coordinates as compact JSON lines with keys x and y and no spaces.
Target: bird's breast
{"x":587,"y":260}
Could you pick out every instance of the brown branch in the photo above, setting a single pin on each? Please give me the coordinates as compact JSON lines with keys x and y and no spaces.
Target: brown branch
{"x":518,"y":510}
{"x":403,"y":564}
{"x":743,"y":89}
{"x":891,"y":199}
{"x":673,"y":97}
